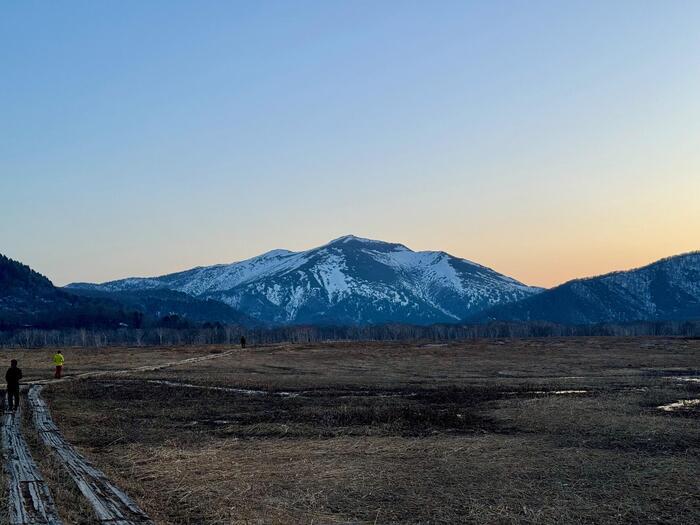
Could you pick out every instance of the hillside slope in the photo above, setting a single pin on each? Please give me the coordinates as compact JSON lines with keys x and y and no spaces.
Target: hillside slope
{"x":158,"y":303}
{"x":668,"y":289}
{"x":27,"y":298}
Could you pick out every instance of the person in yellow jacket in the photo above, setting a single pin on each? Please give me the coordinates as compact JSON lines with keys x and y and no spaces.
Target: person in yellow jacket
{"x":58,"y":360}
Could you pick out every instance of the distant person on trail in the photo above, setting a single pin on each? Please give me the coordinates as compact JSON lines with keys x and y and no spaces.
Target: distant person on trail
{"x":12,"y":376}
{"x":242,"y":341}
{"x":58,"y":360}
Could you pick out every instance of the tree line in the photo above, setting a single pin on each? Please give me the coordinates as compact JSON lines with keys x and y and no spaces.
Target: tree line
{"x":172,"y":334}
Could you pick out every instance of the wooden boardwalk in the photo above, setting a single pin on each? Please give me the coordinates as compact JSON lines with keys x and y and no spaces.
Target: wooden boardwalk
{"x":29,"y":499}
{"x":111,"y":504}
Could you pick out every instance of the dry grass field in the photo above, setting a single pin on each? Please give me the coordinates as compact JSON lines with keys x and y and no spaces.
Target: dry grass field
{"x":501,"y":431}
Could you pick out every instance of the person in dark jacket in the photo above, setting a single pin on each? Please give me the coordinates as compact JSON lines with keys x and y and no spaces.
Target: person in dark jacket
{"x":242,"y":341}
{"x":12,"y":376}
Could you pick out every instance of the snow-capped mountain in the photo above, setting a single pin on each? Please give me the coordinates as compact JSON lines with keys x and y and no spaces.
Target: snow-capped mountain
{"x":668,"y":289}
{"x":348,"y":281}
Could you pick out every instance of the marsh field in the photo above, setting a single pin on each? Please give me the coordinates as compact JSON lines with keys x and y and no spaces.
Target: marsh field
{"x":492,"y":431}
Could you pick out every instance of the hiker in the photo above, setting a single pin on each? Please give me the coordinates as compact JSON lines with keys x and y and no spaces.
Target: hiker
{"x":242,"y":341}
{"x":12,"y":376}
{"x":58,"y":360}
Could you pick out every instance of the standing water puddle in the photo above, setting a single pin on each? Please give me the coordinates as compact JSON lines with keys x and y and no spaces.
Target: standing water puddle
{"x":244,"y":391}
{"x":549,"y":392}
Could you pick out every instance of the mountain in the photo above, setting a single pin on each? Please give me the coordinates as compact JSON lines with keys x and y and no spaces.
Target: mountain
{"x":27,"y":298}
{"x":668,"y":289}
{"x":160,"y":302}
{"x":347,"y":281}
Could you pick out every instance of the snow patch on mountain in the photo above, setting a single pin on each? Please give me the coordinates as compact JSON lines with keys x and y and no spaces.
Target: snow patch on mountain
{"x":332,"y":274}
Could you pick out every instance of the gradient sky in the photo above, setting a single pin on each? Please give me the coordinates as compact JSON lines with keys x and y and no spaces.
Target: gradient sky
{"x":547,"y":140}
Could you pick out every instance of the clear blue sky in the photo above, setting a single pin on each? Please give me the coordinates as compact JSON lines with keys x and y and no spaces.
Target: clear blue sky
{"x":547,"y":140}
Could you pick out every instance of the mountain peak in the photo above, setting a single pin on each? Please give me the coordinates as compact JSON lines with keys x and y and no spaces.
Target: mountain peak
{"x":355,"y":242}
{"x":274,"y":253}
{"x":354,"y":238}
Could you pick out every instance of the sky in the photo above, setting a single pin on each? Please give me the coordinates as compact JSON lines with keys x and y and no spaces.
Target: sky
{"x":546,"y":140}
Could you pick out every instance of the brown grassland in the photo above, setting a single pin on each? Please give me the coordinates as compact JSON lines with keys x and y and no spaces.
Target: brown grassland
{"x":469,"y":432}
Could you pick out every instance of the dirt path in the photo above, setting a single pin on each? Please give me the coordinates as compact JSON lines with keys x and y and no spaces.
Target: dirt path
{"x":146,"y":368}
{"x":30,"y":500}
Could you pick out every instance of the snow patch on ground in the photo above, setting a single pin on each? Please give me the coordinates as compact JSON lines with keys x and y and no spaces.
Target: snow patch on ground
{"x":682,"y":404}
